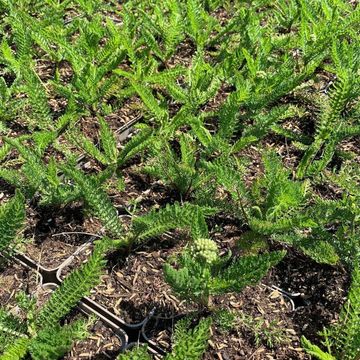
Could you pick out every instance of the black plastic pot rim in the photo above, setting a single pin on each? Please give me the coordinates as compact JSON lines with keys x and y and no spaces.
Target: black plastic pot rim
{"x":128,"y":334}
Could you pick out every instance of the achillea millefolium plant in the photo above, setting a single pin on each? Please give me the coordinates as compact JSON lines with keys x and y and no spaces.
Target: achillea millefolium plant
{"x":199,"y":272}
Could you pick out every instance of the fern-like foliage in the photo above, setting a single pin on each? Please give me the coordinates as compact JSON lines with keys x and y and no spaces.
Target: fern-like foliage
{"x":17,"y":350}
{"x":334,"y":123}
{"x":165,"y":22}
{"x":190,"y":344}
{"x":54,"y":342}
{"x":92,"y":56}
{"x":274,"y":198}
{"x":37,"y":177}
{"x":204,"y":83}
{"x":11,"y":328}
{"x":38,"y":100}
{"x":97,"y":200}
{"x":12,"y":216}
{"x":138,"y":353}
{"x":173,"y":216}
{"x":200,"y":23}
{"x":318,"y":245}
{"x":196,"y":278}
{"x":264,"y":123}
{"x":346,"y":333}
{"x":109,"y":155}
{"x":179,"y":171}
{"x":283,"y":195}
{"x":50,"y":343}
{"x":315,"y":351}
{"x":278,"y":206}
{"x":136,"y":145}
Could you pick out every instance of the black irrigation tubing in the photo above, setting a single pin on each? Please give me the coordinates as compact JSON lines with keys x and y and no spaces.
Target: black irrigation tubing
{"x":296,"y":299}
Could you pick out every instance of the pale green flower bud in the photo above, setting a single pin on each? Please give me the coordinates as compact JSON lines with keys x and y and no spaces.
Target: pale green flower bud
{"x":206,"y":249}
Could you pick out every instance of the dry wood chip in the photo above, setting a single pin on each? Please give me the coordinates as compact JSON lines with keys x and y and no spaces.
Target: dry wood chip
{"x":174,"y":298}
{"x":142,"y":253}
{"x":161,"y":335}
{"x":235,"y":305}
{"x":12,"y":294}
{"x":100,"y":336}
{"x":135,"y":278}
{"x":109,"y":291}
{"x":275,"y":294}
{"x":92,"y":337}
{"x":166,"y":296}
{"x":119,"y":274}
{"x":296,"y":349}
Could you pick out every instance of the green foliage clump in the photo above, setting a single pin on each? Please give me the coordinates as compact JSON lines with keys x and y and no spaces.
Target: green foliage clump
{"x":12,"y":217}
{"x":199,"y":272}
{"x":178,"y":170}
{"x":97,"y":200}
{"x":175,"y":216}
{"x":264,"y":332}
{"x":225,"y":320}
{"x":197,"y":280}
